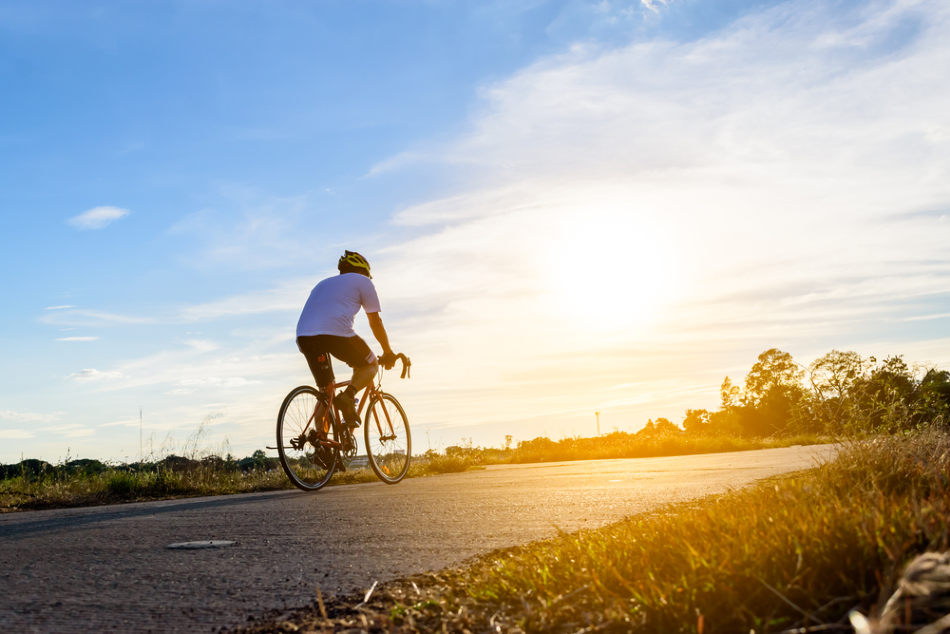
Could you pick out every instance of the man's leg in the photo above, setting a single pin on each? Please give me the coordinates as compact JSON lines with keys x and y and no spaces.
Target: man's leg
{"x":356,"y":354}
{"x":362,"y":376}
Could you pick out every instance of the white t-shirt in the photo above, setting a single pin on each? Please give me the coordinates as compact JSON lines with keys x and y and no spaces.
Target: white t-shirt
{"x":333,"y":304}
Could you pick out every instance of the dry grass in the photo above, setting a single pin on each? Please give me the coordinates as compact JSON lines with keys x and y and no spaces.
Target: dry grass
{"x":123,"y":485}
{"x":791,"y":554}
{"x":625,"y":445}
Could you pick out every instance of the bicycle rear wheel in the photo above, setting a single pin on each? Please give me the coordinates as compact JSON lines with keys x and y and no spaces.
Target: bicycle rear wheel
{"x":307,"y":463}
{"x":388,"y":443}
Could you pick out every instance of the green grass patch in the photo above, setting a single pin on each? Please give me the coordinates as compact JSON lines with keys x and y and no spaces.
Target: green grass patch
{"x":788,"y":553}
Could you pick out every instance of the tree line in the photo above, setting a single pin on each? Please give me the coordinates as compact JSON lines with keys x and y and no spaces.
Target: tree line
{"x":838,"y":393}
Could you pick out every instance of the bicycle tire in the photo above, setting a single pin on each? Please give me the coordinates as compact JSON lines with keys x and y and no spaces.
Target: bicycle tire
{"x":307,"y":466}
{"x":388,"y":454}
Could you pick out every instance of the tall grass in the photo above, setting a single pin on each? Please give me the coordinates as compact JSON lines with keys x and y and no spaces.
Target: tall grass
{"x":124,"y":484}
{"x":791,"y":554}
{"x":625,"y":445}
{"x":794,"y":552}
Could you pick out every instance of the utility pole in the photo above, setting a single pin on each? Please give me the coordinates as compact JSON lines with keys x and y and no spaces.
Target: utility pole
{"x":598,"y":422}
{"x":141,"y":450}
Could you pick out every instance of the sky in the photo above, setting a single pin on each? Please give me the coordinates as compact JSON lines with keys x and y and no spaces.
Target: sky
{"x":569,"y":206}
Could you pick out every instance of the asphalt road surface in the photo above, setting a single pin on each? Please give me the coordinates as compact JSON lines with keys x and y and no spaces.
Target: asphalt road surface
{"x":109,"y":568}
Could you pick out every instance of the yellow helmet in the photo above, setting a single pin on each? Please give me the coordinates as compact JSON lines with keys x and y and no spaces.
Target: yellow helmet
{"x":352,"y":259}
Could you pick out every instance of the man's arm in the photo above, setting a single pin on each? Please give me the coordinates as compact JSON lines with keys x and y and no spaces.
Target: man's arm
{"x":379,"y":331}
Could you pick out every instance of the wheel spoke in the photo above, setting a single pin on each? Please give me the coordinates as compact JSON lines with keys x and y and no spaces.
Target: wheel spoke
{"x":388,"y":443}
{"x":304,"y":456}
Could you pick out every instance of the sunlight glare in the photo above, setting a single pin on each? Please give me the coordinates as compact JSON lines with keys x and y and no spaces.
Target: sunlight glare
{"x":609,"y":271}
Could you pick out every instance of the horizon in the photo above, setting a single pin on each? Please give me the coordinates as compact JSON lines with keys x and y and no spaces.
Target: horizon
{"x":569,"y":207}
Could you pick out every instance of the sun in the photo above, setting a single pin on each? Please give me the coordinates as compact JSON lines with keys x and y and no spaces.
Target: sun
{"x":609,"y":270}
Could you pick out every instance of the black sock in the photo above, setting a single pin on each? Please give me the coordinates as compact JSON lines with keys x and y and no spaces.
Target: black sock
{"x":349,"y":391}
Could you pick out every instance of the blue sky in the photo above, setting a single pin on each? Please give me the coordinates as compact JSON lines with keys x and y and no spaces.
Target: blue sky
{"x":569,"y":206}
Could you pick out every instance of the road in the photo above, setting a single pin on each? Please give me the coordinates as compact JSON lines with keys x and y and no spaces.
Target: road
{"x":109,"y":568}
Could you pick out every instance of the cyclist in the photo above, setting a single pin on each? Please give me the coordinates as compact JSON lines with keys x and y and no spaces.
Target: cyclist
{"x":326,"y":327}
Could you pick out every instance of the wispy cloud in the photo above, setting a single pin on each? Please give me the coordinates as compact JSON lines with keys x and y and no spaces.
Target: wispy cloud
{"x":189,"y":386}
{"x":28,"y":417}
{"x":673,"y":205}
{"x":72,"y":430}
{"x":652,"y":4}
{"x":287,"y":297}
{"x":15,"y":434}
{"x":58,"y":307}
{"x":97,"y":218}
{"x":250,"y":231}
{"x":91,"y":374}
{"x":90,"y":318}
{"x":201,"y":345}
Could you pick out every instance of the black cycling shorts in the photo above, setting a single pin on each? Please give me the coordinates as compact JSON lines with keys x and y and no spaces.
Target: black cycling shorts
{"x":352,"y":351}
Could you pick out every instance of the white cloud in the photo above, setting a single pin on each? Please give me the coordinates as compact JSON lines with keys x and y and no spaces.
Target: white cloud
{"x":253,"y":231}
{"x":287,"y":297}
{"x":28,"y":417}
{"x":77,"y":339}
{"x":15,"y":434}
{"x":71,"y":430}
{"x":125,"y":423}
{"x":58,"y":307}
{"x":214,"y":381}
{"x":97,"y":218}
{"x":650,"y":215}
{"x":91,"y":374}
{"x":95,"y":318}
{"x":201,"y":345}
{"x":650,"y":4}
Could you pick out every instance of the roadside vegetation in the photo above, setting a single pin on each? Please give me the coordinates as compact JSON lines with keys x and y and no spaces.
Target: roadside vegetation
{"x":780,"y":403}
{"x":791,"y":554}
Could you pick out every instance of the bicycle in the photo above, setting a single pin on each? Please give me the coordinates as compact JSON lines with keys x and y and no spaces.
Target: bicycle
{"x":312,"y":446}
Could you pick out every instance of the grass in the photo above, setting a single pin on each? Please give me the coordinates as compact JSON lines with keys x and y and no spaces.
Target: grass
{"x":124,"y":485}
{"x":625,"y":445}
{"x":59,"y":489}
{"x":790,"y":554}
{"x":92,"y":483}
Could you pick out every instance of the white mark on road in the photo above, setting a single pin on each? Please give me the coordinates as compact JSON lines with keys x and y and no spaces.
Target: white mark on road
{"x":216,"y":543}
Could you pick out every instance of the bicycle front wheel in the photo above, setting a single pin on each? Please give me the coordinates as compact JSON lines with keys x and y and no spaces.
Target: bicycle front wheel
{"x":388,"y":444}
{"x":308,"y":463}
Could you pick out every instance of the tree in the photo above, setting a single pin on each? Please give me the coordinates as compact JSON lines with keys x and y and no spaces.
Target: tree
{"x":696,"y":422}
{"x":836,"y":374}
{"x":648,"y":430}
{"x":730,"y":394}
{"x":664,"y":426}
{"x":937,"y":382}
{"x":774,"y":371}
{"x":726,"y":422}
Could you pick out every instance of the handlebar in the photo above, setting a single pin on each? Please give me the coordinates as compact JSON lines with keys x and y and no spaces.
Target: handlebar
{"x":406,"y":364}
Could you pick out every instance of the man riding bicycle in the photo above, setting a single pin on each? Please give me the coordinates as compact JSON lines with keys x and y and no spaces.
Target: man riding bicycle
{"x":325,"y":328}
